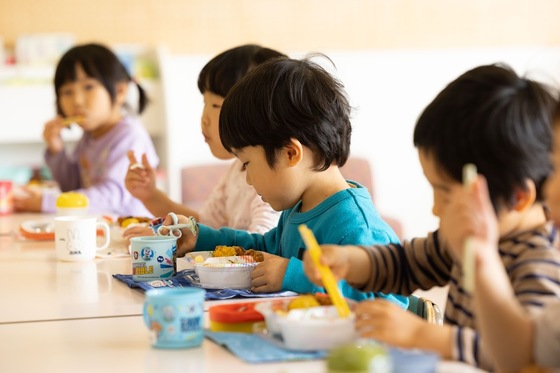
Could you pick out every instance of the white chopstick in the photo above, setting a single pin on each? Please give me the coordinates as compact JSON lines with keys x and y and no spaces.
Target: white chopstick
{"x":469,"y":177}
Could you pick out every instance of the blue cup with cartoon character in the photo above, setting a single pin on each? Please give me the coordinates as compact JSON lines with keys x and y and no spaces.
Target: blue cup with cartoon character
{"x":175,"y":317}
{"x":76,"y":237}
{"x":153,"y":257}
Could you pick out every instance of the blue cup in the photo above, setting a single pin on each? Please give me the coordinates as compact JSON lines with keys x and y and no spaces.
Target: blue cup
{"x":153,"y":257}
{"x":175,"y":317}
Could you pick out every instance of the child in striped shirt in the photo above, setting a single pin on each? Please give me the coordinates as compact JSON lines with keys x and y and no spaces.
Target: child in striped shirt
{"x":500,"y":122}
{"x":514,"y":339}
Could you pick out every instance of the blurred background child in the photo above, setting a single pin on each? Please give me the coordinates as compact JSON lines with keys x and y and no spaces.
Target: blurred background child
{"x":232,"y":203}
{"x":91,"y":87}
{"x":515,"y":339}
{"x":288,"y":123}
{"x":500,"y":122}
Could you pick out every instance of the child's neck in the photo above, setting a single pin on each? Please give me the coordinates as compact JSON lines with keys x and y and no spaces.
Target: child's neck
{"x":323,"y":185}
{"x":514,"y":223}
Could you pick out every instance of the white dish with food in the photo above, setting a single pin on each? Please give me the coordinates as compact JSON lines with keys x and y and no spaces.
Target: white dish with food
{"x":228,"y":272}
{"x":316,"y":328}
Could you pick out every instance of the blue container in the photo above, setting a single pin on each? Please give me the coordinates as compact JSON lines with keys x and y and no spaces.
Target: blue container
{"x":175,"y":317}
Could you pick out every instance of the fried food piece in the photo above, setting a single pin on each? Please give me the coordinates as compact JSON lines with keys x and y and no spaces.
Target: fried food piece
{"x":125,"y":221}
{"x":257,"y":255}
{"x":225,"y":251}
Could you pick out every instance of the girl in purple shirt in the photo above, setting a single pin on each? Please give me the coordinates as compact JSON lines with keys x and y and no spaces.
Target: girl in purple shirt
{"x":91,"y":86}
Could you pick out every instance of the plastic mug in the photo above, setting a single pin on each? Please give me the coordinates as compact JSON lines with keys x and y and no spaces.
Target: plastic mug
{"x":76,"y":237}
{"x":175,"y":317}
{"x":72,"y":203}
{"x":153,"y":257}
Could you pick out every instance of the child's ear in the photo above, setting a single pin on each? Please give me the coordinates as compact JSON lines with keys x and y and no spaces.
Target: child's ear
{"x":525,"y":198}
{"x":293,"y":152}
{"x":121,"y":92}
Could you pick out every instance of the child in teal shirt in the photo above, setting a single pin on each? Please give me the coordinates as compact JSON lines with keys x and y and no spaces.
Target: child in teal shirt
{"x":288,"y":122}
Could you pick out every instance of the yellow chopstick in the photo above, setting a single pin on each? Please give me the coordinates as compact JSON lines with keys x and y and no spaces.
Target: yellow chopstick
{"x":469,"y":177}
{"x":70,"y":120}
{"x":326,"y":273}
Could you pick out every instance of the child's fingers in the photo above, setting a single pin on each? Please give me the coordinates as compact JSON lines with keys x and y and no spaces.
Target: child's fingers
{"x":145,"y":162}
{"x":131,"y":157}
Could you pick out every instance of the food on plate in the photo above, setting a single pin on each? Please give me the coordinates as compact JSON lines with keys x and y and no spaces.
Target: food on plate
{"x":125,"y":221}
{"x":199,"y":259}
{"x":303,"y":301}
{"x":222,"y":250}
{"x":310,"y":300}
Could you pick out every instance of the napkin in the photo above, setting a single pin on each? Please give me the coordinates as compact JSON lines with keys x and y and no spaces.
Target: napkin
{"x":188,"y":277}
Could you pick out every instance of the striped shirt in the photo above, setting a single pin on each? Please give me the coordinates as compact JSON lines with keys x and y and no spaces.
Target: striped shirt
{"x":531,"y":259}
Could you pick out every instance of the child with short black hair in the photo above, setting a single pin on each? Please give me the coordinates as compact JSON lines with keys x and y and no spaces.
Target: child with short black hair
{"x":91,"y":87}
{"x":500,"y":122}
{"x":288,"y":122}
{"x":514,"y":338}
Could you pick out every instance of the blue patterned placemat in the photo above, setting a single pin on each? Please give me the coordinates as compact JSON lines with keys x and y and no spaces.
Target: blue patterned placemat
{"x":188,"y":278}
{"x":255,"y":348}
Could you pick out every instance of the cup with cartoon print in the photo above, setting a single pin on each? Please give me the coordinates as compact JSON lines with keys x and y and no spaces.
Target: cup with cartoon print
{"x":76,"y":237}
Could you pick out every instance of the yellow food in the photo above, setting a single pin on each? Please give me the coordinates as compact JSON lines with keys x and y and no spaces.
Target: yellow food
{"x":303,"y":301}
{"x":199,"y":259}
{"x":126,"y":222}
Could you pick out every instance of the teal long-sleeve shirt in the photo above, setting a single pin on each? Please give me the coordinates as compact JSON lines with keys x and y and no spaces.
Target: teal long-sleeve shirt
{"x":345,"y":218}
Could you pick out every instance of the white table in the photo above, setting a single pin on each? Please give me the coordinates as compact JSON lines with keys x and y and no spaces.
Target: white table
{"x":65,"y":317}
{"x":121,"y":344}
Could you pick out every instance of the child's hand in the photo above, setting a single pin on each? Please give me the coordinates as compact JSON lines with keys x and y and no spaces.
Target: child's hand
{"x":187,"y":241}
{"x":137,"y":231}
{"x":29,"y":199}
{"x":386,"y":322}
{"x":268,"y":275}
{"x":51,"y":135}
{"x":334,"y":257}
{"x":469,"y":213}
{"x":140,"y":181}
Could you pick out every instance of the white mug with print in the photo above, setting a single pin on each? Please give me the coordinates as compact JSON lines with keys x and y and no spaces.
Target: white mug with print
{"x":76,"y":237}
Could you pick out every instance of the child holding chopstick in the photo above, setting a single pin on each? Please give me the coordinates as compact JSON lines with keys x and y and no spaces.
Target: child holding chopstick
{"x":288,"y":122}
{"x":91,"y":87}
{"x":514,"y":338}
{"x":499,"y":122}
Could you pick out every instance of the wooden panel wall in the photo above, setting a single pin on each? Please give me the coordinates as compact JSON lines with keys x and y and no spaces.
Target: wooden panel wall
{"x":207,"y":26}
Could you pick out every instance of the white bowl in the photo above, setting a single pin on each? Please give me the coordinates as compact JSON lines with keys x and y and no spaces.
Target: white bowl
{"x":272,"y":311}
{"x":228,"y":272}
{"x":316,"y":328}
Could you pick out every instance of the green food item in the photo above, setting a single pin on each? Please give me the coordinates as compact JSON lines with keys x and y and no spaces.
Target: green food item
{"x":359,"y":357}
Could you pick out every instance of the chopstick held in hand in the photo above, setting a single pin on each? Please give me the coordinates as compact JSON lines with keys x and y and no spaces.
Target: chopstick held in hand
{"x":469,"y":177}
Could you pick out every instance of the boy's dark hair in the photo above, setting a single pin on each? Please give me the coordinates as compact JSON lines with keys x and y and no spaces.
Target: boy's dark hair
{"x":284,"y":99}
{"x":223,"y":71}
{"x":98,"y":62}
{"x":491,"y":117}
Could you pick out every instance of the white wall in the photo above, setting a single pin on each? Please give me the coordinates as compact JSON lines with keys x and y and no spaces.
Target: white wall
{"x":388,"y":88}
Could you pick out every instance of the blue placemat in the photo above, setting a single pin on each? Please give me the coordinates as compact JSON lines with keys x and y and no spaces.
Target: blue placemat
{"x":255,"y":348}
{"x":188,"y":277}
